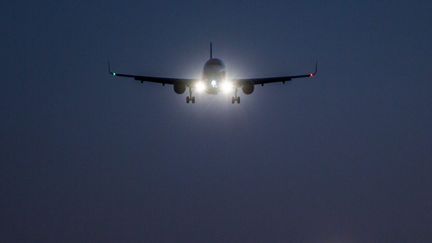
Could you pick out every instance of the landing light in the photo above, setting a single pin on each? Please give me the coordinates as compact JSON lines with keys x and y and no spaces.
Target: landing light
{"x":213,"y":83}
{"x":227,"y":86}
{"x":200,"y":86}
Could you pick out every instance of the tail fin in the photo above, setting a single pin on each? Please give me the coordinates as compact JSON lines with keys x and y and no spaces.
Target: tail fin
{"x":211,"y":50}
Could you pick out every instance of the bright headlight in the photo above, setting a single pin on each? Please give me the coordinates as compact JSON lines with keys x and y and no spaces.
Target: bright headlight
{"x":200,"y":86}
{"x":227,"y":86}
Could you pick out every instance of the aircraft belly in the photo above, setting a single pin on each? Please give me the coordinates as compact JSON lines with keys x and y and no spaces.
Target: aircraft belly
{"x":212,"y":91}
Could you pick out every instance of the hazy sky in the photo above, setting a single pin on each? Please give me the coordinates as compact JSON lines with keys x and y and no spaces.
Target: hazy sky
{"x":345,"y":157}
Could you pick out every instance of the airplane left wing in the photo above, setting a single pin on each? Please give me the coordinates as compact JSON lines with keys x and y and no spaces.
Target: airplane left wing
{"x":161,"y":80}
{"x":283,"y":79}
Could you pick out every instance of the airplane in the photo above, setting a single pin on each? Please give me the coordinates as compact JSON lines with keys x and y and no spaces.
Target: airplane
{"x":213,"y":80}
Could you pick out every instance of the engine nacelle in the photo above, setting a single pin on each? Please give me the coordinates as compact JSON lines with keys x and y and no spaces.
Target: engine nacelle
{"x":179,"y":88}
{"x":248,"y":89}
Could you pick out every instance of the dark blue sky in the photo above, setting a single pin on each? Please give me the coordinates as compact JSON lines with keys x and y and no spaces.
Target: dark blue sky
{"x":345,"y":157}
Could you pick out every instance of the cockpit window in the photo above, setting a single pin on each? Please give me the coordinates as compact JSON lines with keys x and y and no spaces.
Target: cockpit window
{"x":215,"y":61}
{"x":214,"y":69}
{"x":214,"y":65}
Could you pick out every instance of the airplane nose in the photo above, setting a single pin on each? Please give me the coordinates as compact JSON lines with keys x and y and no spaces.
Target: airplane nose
{"x":213,"y":83}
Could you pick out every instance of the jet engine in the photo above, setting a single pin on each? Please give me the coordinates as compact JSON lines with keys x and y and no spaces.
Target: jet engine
{"x":248,"y":88}
{"x":179,"y":88}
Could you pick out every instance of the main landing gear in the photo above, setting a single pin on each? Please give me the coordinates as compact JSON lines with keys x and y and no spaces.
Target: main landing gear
{"x":235,"y":98}
{"x":190,"y":98}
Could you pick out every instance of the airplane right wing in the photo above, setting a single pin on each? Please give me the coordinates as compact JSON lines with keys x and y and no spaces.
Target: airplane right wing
{"x":161,"y":80}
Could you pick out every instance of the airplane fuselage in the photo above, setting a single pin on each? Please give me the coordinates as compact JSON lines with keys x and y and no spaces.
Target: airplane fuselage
{"x":214,"y":74}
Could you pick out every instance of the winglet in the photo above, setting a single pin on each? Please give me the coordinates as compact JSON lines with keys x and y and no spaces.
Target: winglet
{"x":315,"y":72}
{"x":109,"y":70}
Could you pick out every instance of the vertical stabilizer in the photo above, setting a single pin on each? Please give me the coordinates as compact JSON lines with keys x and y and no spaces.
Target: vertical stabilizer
{"x":211,"y":50}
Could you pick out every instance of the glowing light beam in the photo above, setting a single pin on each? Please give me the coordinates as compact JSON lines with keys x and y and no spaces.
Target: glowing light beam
{"x":200,"y":86}
{"x":227,"y":86}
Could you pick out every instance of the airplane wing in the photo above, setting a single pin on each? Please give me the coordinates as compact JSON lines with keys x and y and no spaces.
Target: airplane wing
{"x":283,"y":79}
{"x":161,"y":80}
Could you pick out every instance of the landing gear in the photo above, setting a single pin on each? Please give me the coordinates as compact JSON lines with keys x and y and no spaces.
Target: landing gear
{"x":235,"y":98}
{"x":190,"y":98}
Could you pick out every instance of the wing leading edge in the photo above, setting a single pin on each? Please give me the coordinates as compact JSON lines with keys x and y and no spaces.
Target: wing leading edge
{"x":282,"y":79}
{"x":160,"y":80}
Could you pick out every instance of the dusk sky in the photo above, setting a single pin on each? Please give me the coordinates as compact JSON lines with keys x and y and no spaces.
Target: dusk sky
{"x":343,"y":157}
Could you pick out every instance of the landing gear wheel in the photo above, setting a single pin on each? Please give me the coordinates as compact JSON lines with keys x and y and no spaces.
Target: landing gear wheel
{"x":235,"y":99}
{"x":187,"y":99}
{"x":193,"y":100}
